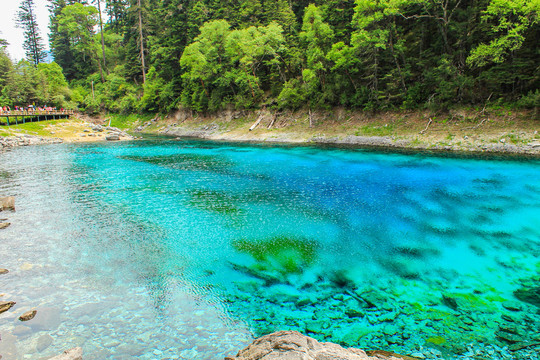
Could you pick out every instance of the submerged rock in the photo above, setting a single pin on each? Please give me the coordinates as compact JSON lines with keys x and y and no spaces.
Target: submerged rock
{"x":512,"y":306}
{"x":29,"y":315}
{"x":450,"y":302}
{"x":508,"y":337}
{"x":6,"y":305}
{"x":43,"y":342}
{"x":7,"y":203}
{"x":48,"y":319}
{"x":4,"y":225}
{"x":291,"y":345}
{"x":71,"y":354}
{"x":529,"y":294}
{"x":3,"y":271}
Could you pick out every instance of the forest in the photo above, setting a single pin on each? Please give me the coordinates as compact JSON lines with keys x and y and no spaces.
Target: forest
{"x":125,"y":56}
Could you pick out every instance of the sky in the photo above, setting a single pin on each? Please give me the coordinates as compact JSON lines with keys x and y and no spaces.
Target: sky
{"x":14,"y":35}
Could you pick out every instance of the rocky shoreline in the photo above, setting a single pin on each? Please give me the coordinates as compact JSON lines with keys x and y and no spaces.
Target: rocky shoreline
{"x":26,"y":140}
{"x":214,"y":132}
{"x":90,"y":133}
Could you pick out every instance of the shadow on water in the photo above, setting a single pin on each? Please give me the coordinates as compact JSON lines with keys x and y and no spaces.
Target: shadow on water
{"x":192,"y":162}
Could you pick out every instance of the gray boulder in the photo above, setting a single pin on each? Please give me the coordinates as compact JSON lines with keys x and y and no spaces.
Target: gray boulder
{"x":291,"y":345}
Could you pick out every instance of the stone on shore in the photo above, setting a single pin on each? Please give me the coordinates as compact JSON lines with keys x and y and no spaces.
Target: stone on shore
{"x":291,"y":345}
{"x":7,"y":203}
{"x":71,"y":354}
{"x":6,"y":305}
{"x":29,"y":315}
{"x":112,"y":138}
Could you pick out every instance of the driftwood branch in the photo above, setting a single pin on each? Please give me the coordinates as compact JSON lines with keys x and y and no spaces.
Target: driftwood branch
{"x":487,"y":101}
{"x":259,"y":119}
{"x":477,"y":125}
{"x":273,"y":120}
{"x":429,"y":123}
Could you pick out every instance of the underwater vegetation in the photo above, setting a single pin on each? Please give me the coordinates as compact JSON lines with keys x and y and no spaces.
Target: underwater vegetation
{"x":227,"y":203}
{"x":282,"y":254}
{"x":5,"y":174}
{"x":190,"y":162}
{"x":214,"y":201}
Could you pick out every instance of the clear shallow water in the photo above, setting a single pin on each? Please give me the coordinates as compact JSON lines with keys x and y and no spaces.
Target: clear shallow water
{"x":188,"y":250}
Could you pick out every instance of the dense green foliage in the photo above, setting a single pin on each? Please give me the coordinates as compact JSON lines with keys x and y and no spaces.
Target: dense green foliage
{"x":208,"y":55}
{"x":25,"y":83}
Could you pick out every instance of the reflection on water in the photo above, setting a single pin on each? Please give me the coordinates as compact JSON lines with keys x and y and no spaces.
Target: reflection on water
{"x":158,"y":250}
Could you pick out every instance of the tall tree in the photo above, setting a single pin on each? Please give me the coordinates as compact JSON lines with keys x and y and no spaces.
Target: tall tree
{"x":116,"y":10}
{"x":102,"y":39}
{"x":141,"y":39}
{"x":61,"y":46}
{"x":77,"y":21}
{"x":316,"y":37}
{"x":33,"y":43}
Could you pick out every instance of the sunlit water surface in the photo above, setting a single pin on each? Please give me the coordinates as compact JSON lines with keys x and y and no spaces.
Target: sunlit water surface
{"x":189,"y":250}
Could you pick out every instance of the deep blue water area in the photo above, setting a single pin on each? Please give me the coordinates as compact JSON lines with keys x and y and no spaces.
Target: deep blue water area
{"x":190,"y":249}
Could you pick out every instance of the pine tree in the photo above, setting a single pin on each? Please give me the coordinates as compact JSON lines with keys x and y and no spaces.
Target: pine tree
{"x":33,"y":43}
{"x":61,"y":47}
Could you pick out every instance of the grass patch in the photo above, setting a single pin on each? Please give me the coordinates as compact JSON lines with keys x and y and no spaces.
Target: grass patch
{"x":128,"y":121}
{"x":416,"y":141}
{"x":515,"y":139}
{"x":33,"y":128}
{"x":383,"y":130}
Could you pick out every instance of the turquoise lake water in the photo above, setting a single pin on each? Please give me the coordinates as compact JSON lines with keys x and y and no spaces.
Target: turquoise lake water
{"x":190,"y":249}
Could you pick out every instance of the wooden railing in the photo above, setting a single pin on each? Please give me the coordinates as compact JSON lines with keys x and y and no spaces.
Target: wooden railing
{"x":15,"y":117}
{"x":27,"y":112}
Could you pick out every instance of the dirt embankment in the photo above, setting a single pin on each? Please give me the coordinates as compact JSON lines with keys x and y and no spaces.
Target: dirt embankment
{"x":476,"y":130}
{"x":471,"y":130}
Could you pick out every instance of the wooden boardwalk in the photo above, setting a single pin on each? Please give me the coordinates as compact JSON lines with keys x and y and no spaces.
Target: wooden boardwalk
{"x":23,"y":116}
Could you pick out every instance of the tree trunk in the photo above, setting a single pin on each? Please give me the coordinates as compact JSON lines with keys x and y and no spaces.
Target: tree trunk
{"x":142,"y":42}
{"x":101,"y":71}
{"x":33,"y":35}
{"x":391,"y":44}
{"x":102,"y":39}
